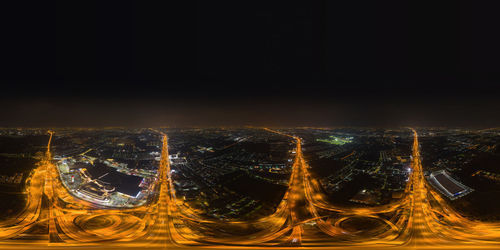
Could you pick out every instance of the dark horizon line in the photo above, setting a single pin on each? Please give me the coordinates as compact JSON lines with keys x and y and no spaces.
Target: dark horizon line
{"x":248,"y":127}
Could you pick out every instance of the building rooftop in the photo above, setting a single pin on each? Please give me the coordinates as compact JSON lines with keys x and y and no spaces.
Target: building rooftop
{"x":125,"y":184}
{"x":448,"y":186}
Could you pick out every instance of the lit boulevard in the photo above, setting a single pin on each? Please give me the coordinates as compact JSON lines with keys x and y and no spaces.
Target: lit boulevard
{"x":53,"y":218}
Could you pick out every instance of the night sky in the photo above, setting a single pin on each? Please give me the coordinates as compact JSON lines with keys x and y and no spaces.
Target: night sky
{"x":232,"y":63}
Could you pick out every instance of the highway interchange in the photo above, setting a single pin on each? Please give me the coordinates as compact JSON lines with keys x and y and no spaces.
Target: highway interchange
{"x":304,"y":218}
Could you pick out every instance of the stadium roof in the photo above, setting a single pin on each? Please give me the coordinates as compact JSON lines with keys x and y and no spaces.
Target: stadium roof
{"x":125,"y":184}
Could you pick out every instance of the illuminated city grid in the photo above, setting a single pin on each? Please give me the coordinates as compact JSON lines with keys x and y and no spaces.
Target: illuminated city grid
{"x":64,"y":209}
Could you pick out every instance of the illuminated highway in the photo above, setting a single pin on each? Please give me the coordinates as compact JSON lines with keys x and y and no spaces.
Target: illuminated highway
{"x":304,"y":218}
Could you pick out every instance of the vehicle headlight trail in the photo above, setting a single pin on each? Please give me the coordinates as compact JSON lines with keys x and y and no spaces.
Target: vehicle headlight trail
{"x":303,"y":218}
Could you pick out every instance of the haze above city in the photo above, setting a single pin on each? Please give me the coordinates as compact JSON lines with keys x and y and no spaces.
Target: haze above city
{"x":275,"y":63}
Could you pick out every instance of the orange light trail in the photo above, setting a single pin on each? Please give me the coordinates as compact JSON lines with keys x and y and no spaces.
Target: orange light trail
{"x":304,"y":217}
